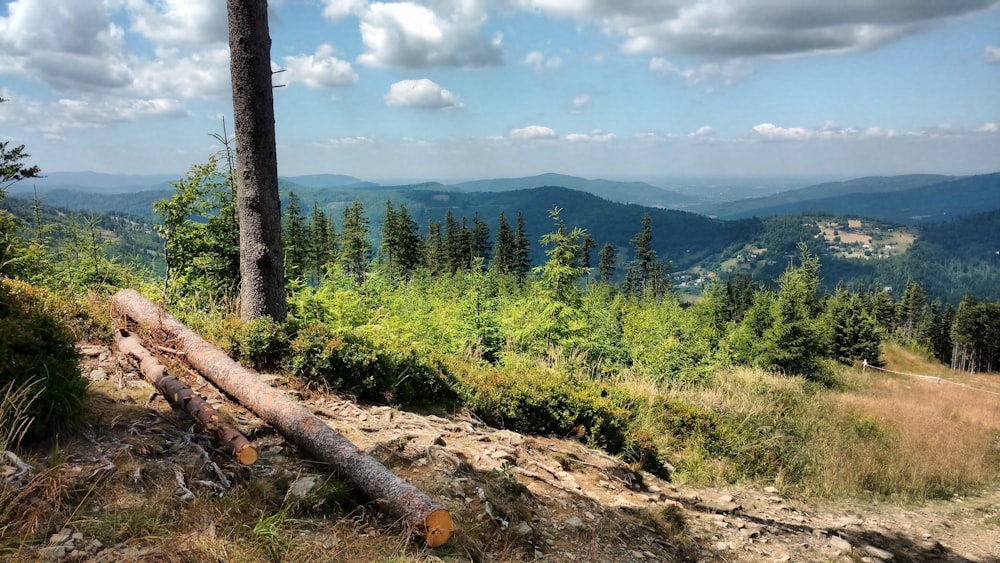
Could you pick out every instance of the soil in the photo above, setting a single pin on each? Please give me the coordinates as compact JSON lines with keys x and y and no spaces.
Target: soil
{"x":513,"y":497}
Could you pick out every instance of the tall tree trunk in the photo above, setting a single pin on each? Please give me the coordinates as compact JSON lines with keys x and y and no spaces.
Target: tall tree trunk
{"x":262,"y":287}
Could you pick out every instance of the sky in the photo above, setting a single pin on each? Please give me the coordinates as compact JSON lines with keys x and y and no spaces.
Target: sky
{"x":465,"y":89}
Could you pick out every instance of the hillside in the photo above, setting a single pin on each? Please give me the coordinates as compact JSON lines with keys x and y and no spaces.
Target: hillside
{"x":933,"y":202}
{"x":639,"y":193}
{"x":806,"y":198}
{"x":159,"y":490}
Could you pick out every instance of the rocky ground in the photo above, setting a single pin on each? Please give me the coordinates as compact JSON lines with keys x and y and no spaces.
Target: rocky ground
{"x":513,"y":497}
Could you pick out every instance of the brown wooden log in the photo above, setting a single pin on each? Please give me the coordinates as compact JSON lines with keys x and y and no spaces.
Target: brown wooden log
{"x":394,"y":495}
{"x":180,"y":393}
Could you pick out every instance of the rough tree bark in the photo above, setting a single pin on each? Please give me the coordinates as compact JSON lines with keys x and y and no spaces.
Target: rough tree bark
{"x":262,"y":286}
{"x":181,"y":394}
{"x":394,"y":496}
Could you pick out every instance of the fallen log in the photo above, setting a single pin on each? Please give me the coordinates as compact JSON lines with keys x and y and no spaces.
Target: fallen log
{"x":181,"y":394}
{"x":394,"y":495}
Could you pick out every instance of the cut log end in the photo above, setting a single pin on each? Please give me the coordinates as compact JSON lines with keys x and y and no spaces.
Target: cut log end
{"x":247,"y":455}
{"x":439,"y":527}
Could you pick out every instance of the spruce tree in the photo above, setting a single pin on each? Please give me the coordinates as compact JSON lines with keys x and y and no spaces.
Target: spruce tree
{"x":354,"y":246}
{"x":606,"y":264}
{"x":505,"y":256}
{"x":408,"y":240}
{"x":522,"y":248}
{"x":294,"y":238}
{"x":480,"y":239}
{"x":434,"y":250}
{"x":322,"y":244}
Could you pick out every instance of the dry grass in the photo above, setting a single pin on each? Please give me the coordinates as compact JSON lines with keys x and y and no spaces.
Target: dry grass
{"x":906,"y":437}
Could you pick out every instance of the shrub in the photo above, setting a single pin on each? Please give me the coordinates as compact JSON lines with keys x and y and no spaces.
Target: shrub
{"x":370,"y":370}
{"x":261,"y":343}
{"x":36,"y":347}
{"x":547,"y":401}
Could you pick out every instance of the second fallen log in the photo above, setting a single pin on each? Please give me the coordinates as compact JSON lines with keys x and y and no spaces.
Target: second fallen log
{"x":181,"y":394}
{"x":393,"y":495}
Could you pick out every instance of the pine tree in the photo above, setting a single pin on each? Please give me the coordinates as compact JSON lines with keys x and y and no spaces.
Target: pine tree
{"x":409,"y":241}
{"x":646,"y":276}
{"x":480,"y":239}
{"x":322,"y":244}
{"x":294,"y":238}
{"x":453,"y":243}
{"x":505,"y":257}
{"x":354,"y":245}
{"x":606,"y":265}
{"x":434,"y":251}
{"x":911,"y":309}
{"x":855,"y":334}
{"x":522,"y":247}
{"x":588,"y":245}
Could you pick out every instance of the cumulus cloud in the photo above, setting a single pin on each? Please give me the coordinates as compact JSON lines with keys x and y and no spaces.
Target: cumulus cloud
{"x":53,"y":119}
{"x":337,"y":9}
{"x":320,"y":70}
{"x":595,"y":136}
{"x":422,"y":93}
{"x":179,"y":21}
{"x":68,"y":45}
{"x":992,"y":54}
{"x":704,"y":131}
{"x":990,"y":127}
{"x":176,"y":72}
{"x":579,"y":103}
{"x":728,"y":71}
{"x":414,"y":35}
{"x":749,"y":28}
{"x":772,"y":132}
{"x":534,"y":133}
{"x":540,"y":63}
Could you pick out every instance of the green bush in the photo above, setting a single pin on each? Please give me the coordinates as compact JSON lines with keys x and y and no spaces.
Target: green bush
{"x":36,"y":347}
{"x":548,"y":401}
{"x":261,"y":343}
{"x":370,"y":370}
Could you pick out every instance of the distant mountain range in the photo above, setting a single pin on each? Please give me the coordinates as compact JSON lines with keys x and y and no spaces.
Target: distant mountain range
{"x":639,"y":193}
{"x":954,"y":234}
{"x":901,"y":199}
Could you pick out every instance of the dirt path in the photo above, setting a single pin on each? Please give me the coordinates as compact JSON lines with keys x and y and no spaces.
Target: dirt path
{"x":517,"y":497}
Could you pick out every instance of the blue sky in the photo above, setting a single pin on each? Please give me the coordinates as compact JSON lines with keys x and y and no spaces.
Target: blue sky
{"x":449,"y":90}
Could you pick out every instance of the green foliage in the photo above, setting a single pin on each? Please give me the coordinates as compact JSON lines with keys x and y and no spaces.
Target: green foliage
{"x":548,"y":401}
{"x":201,"y":233}
{"x":37,"y":350}
{"x":262,"y":343}
{"x":856,"y":335}
{"x":368,"y":366}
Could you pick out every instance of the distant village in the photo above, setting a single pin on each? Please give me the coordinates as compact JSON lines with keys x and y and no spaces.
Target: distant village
{"x":849,"y":239}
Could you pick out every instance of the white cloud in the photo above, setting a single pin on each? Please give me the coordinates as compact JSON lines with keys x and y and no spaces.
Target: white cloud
{"x":990,"y":127}
{"x":320,"y":70}
{"x":175,"y":72}
{"x":540,"y":63}
{"x":704,"y":131}
{"x":580,"y":103}
{"x":595,"y":136}
{"x":534,"y":133}
{"x":422,"y":93}
{"x":720,"y":30}
{"x":772,"y":132}
{"x":992,"y":54}
{"x":349,"y":141}
{"x":337,"y":9}
{"x":728,"y":71}
{"x":52,"y":119}
{"x":439,"y":34}
{"x":179,"y":21}
{"x":68,"y":45}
